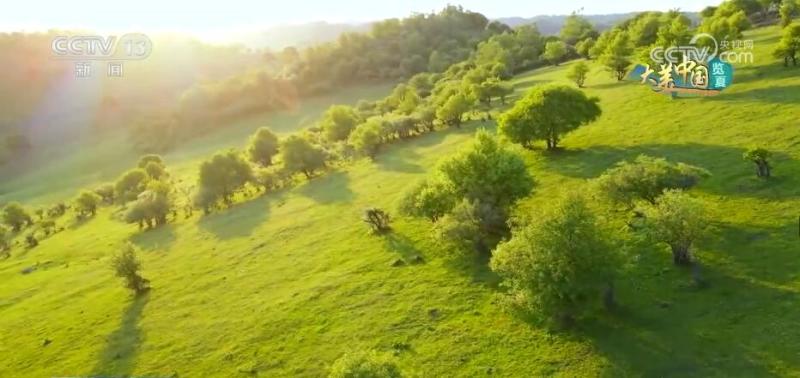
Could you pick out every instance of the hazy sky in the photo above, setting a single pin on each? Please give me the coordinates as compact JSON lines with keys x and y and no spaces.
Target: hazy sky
{"x":202,"y":17}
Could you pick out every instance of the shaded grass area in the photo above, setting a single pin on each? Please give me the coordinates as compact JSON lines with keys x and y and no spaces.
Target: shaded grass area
{"x":284,"y":284}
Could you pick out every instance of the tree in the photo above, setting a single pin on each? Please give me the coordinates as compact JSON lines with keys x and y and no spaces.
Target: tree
{"x":488,"y":172}
{"x":431,"y":198}
{"x":15,"y":216}
{"x":584,"y":47}
{"x":788,"y":11}
{"x":759,"y":157}
{"x":150,"y":158}
{"x":678,"y":220}
{"x":223,"y":174}
{"x":152,"y":206}
{"x":377,"y":219}
{"x":554,"y":51}
{"x":616,"y":57}
{"x":556,"y":265}
{"x":453,"y":109}
{"x":426,"y":115}
{"x":127,"y":267}
{"x":87,"y":202}
{"x":263,"y":147}
{"x":131,"y":184}
{"x":4,"y":238}
{"x":577,"y":73}
{"x":547,"y":113}
{"x":299,"y":155}
{"x":106,"y":192}
{"x":576,"y":28}
{"x":338,"y":122}
{"x":155,"y":170}
{"x":789,"y":45}
{"x":367,"y":137}
{"x":364,"y":365}
{"x":646,"y":178}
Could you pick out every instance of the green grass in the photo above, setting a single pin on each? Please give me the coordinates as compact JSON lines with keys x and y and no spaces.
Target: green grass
{"x":285,"y":283}
{"x":57,"y":173}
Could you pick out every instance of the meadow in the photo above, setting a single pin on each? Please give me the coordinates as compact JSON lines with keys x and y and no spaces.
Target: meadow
{"x":284,"y":284}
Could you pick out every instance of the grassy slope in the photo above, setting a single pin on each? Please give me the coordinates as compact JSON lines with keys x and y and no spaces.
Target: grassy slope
{"x":285,"y":283}
{"x":58,"y":172}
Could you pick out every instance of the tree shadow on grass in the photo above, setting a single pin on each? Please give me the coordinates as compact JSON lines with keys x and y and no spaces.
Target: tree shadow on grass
{"x":159,"y":238}
{"x":404,"y":247}
{"x":786,"y":94}
{"x":332,"y":187}
{"x":722,"y":330}
{"x":731,"y":175}
{"x":760,"y":73}
{"x":400,"y":161}
{"x":122,"y":346}
{"x":241,"y":219}
{"x":475,"y":265}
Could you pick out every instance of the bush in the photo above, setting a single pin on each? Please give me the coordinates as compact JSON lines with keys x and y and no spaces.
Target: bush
{"x":131,"y":184}
{"x":299,"y":155}
{"x":364,"y":365}
{"x":106,"y":192}
{"x":554,"y":266}
{"x":367,"y":137}
{"x":57,"y":210}
{"x":31,"y":241}
{"x":151,"y":158}
{"x":15,"y":216}
{"x":222,"y":175}
{"x":577,"y":73}
{"x":127,"y":266}
{"x":377,"y":219}
{"x":646,"y":178}
{"x":338,"y":122}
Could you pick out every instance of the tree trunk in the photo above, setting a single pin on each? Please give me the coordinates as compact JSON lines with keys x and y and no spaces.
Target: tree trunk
{"x":681,"y":256}
{"x":609,"y":299}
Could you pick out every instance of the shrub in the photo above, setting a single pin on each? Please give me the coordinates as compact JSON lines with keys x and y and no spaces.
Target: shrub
{"x":338,"y":122}
{"x":57,"y":210}
{"x":364,"y":365}
{"x":377,"y":219}
{"x":31,"y":241}
{"x":367,"y":137}
{"x":127,"y":266}
{"x":150,"y":158}
{"x":577,"y":73}
{"x":15,"y":216}
{"x":759,"y":157}
{"x":646,"y":178}
{"x":554,"y":266}
{"x":106,"y":192}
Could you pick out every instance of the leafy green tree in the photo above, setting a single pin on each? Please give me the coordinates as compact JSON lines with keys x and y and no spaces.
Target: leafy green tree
{"x":127,"y":266}
{"x":131,"y":184}
{"x":15,"y":216}
{"x":646,"y":178}
{"x":426,"y":117}
{"x":364,"y":365}
{"x":554,"y":51}
{"x":760,"y":157}
{"x":263,"y":147}
{"x":789,"y":45}
{"x":788,"y":10}
{"x":106,"y":192}
{"x":584,"y":47}
{"x":152,"y":206}
{"x":727,"y":22}
{"x":555,"y":266}
{"x":431,"y":198}
{"x":576,"y":28}
{"x":452,"y":111}
{"x":577,"y":73}
{"x":367,"y":137}
{"x":677,"y":220}
{"x":547,"y":113}
{"x":155,"y":170}
{"x":488,"y":172}
{"x":504,"y":90}
{"x":223,"y":174}
{"x":616,"y":57}
{"x":299,"y":155}
{"x":150,"y":158}
{"x":87,"y":202}
{"x":338,"y":122}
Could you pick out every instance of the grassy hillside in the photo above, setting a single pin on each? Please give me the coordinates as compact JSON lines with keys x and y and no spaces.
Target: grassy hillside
{"x":56,"y":173}
{"x":282,"y":285}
